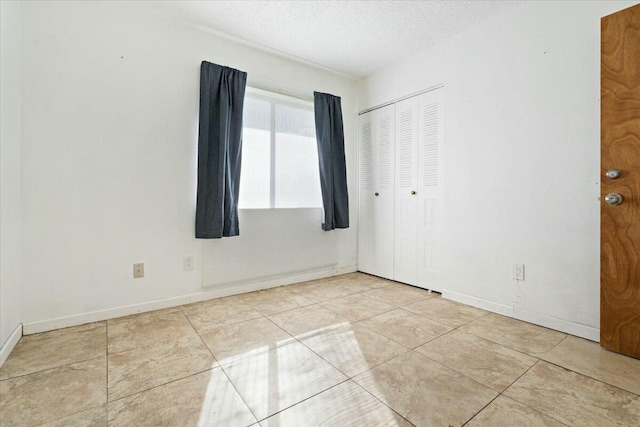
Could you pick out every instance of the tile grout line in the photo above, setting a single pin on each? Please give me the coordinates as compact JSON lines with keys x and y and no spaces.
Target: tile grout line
{"x":524,"y":404}
{"x":347,"y":378}
{"x":220,"y":365}
{"x":541,"y":358}
{"x":507,"y":346}
{"x":317,"y":354}
{"x":359,"y":320}
{"x":162,"y":385}
{"x":238,"y":358}
{"x":320,"y":356}
{"x":284,"y":287}
{"x":465,"y":375}
{"x":239,"y":394}
{"x":560,"y":342}
{"x":395,"y":307}
{"x":65,"y":416}
{"x":590,"y":377}
{"x":383,"y":403}
{"x":170,"y":381}
{"x":399,"y":307}
{"x":68,"y":415}
{"x":199,"y":337}
{"x":403,"y":345}
{"x":209,"y":329}
{"x":303,"y":400}
{"x":52,"y":368}
{"x":534,"y":410}
{"x":486,"y":339}
{"x":453,"y":328}
{"x":501,"y":393}
{"x":58,"y":366}
{"x":283,"y":311}
{"x":106,"y":403}
{"x":344,"y":373}
{"x":330,"y":299}
{"x":313,"y":301}
{"x":481,"y":409}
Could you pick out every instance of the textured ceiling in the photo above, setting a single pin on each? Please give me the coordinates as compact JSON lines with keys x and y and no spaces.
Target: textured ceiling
{"x":353,"y":37}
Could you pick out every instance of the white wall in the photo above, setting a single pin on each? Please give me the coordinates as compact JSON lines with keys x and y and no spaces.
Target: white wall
{"x":521,"y":158}
{"x":110,"y":113}
{"x":10,"y":222}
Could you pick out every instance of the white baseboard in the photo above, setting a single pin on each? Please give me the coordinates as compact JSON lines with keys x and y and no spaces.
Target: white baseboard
{"x":233,"y":289}
{"x":566,"y":326}
{"x":293,"y":277}
{"x":505,"y":310}
{"x":10,"y":343}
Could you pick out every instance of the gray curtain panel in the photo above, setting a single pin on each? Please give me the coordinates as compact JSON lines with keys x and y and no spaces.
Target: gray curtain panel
{"x":333,"y":170}
{"x":219,"y":150}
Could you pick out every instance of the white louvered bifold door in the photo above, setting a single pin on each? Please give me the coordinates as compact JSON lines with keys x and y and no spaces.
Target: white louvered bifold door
{"x":383,"y":203}
{"x":375,"y":234}
{"x":430,"y":186}
{"x":406,"y":192}
{"x":366,"y":232}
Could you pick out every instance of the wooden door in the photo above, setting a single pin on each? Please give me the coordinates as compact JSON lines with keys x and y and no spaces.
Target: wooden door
{"x":376,"y":228}
{"x":620,"y":145}
{"x":406,"y":199}
{"x":430,"y":188}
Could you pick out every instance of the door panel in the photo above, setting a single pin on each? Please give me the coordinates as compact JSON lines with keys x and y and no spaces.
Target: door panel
{"x":375,"y":235}
{"x":366,"y":260}
{"x":384,"y":202}
{"x":406,"y":224}
{"x":430,"y":224}
{"x":620,"y":149}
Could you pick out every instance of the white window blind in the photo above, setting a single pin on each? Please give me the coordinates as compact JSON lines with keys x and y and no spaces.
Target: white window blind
{"x":279,"y":153}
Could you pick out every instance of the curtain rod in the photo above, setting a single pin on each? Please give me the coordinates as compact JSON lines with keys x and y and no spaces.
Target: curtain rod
{"x":432,"y":88}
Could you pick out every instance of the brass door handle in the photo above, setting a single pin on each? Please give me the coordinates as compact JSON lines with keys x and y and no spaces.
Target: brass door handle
{"x":376,"y":194}
{"x":413,"y":193}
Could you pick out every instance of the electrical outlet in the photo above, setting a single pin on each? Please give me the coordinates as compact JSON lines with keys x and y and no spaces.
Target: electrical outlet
{"x":188,"y":262}
{"x":138,"y":270}
{"x":518,"y":272}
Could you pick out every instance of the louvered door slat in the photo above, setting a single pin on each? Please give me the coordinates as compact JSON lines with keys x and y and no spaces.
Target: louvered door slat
{"x":384,"y":153}
{"x":366,"y":156}
{"x":430,"y":145}
{"x":406,"y":148}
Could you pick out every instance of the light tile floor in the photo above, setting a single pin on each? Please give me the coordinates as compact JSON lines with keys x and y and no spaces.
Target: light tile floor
{"x":352,"y":350}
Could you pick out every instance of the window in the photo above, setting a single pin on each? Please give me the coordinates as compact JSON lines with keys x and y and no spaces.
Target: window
{"x":279,"y":153}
